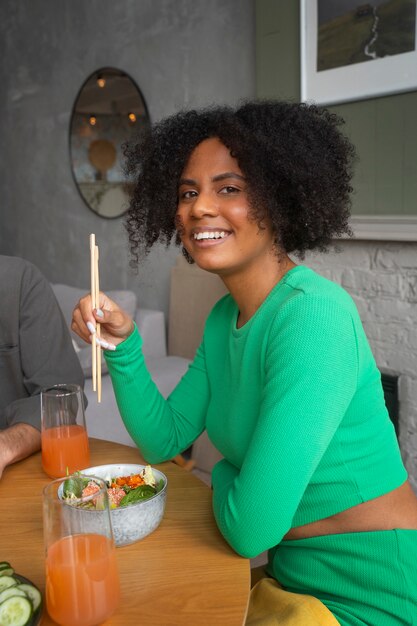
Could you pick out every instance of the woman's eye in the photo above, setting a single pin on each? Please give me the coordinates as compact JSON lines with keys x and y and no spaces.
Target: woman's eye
{"x":229,"y":189}
{"x":186,"y":195}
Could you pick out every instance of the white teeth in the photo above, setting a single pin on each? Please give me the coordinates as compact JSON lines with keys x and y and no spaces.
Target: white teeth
{"x":211,"y":235}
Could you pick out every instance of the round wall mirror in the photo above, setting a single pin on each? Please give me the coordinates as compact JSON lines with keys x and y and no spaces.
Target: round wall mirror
{"x":108,"y":112}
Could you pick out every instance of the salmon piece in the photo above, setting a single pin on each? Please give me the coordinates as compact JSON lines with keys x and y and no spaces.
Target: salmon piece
{"x":90,"y":489}
{"x":116,"y":495}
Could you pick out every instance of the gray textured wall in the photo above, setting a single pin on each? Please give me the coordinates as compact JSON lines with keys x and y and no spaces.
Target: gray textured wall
{"x":180,"y":52}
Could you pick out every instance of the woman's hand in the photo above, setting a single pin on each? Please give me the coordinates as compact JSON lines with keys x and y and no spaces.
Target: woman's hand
{"x":115,"y":324}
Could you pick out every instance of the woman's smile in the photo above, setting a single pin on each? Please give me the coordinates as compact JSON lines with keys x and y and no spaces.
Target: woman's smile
{"x":209,"y":236}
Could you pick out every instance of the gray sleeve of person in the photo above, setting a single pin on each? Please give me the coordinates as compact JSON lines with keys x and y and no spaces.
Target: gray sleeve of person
{"x":35,"y":344}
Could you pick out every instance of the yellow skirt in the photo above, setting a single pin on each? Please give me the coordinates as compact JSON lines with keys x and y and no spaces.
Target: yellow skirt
{"x":270,"y":605}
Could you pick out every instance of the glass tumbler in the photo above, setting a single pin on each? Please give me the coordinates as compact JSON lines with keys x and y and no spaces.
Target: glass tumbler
{"x":82,"y":580}
{"x":63,"y":432}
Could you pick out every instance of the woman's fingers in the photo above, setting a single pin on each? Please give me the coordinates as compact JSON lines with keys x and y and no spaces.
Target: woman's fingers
{"x":115,"y":324}
{"x":105,"y":344}
{"x":79,"y":326}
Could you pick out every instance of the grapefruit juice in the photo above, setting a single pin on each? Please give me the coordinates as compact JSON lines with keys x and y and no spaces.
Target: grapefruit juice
{"x":82,"y":581}
{"x":64,"y":450}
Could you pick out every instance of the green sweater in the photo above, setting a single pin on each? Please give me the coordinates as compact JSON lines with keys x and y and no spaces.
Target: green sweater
{"x":292,"y":400}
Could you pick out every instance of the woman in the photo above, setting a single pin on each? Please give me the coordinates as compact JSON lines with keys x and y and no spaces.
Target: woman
{"x":284,"y":380}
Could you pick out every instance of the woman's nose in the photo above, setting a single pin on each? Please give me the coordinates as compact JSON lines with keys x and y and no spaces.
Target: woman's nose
{"x":204,"y":204}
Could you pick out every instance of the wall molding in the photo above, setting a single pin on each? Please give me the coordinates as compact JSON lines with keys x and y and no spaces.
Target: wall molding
{"x":384,"y":228}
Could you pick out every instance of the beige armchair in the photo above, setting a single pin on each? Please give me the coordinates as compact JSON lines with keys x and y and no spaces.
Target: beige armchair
{"x":194,"y":292}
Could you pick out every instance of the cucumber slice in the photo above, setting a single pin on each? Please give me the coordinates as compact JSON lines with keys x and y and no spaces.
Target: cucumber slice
{"x":33,"y":594}
{"x":7,"y":581}
{"x":6,"y":569}
{"x":16,"y":611}
{"x":12,"y":591}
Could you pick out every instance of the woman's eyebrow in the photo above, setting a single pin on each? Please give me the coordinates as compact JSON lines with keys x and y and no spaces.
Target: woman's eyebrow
{"x":219,"y":177}
{"x":187,"y":181}
{"x":215,"y":179}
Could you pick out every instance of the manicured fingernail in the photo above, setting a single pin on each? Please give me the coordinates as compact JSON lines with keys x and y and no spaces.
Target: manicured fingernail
{"x":105,"y":344}
{"x":99,"y":312}
{"x":91,"y":327}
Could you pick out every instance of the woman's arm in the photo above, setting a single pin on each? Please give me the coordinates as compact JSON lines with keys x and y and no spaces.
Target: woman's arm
{"x":161,"y":428}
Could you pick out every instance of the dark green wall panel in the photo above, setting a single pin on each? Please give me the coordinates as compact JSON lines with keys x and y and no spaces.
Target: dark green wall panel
{"x":277,"y":49}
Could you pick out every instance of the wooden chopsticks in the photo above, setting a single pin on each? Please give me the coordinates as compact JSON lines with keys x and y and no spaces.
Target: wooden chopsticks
{"x":95,"y":302}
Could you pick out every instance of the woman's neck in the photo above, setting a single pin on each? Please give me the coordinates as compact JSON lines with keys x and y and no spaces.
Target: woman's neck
{"x":250,"y":288}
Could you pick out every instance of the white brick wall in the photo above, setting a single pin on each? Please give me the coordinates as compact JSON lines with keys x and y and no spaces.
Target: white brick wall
{"x":382,"y":279}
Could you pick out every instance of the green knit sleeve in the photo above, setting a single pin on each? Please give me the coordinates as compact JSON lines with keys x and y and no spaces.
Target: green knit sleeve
{"x":311,"y":369}
{"x":160,"y":427}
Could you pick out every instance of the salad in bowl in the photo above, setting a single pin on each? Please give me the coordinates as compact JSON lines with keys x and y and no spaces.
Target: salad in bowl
{"x":136,"y":493}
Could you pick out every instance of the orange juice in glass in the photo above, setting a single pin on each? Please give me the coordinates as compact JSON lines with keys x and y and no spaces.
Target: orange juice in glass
{"x":82,"y":581}
{"x":64,"y":436}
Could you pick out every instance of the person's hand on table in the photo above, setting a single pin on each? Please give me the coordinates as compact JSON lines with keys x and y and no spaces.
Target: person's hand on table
{"x":4,"y":456}
{"x":18,"y":442}
{"x":115,"y":324}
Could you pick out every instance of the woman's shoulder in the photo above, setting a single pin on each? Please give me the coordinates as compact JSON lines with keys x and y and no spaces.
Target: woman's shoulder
{"x":224,"y":307}
{"x":313,"y":311}
{"x":305,"y":298}
{"x":304,"y":285}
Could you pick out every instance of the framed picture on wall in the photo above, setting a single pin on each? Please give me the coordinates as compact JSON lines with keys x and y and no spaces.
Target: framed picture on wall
{"x":352,"y":50}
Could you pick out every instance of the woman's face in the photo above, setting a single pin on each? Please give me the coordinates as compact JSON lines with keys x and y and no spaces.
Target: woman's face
{"x":213,"y":216}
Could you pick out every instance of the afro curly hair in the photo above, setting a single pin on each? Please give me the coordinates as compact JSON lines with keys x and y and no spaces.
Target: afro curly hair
{"x":297,"y":164}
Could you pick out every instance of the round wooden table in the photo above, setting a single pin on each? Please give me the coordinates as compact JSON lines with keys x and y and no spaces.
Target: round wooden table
{"x":182,"y":574}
